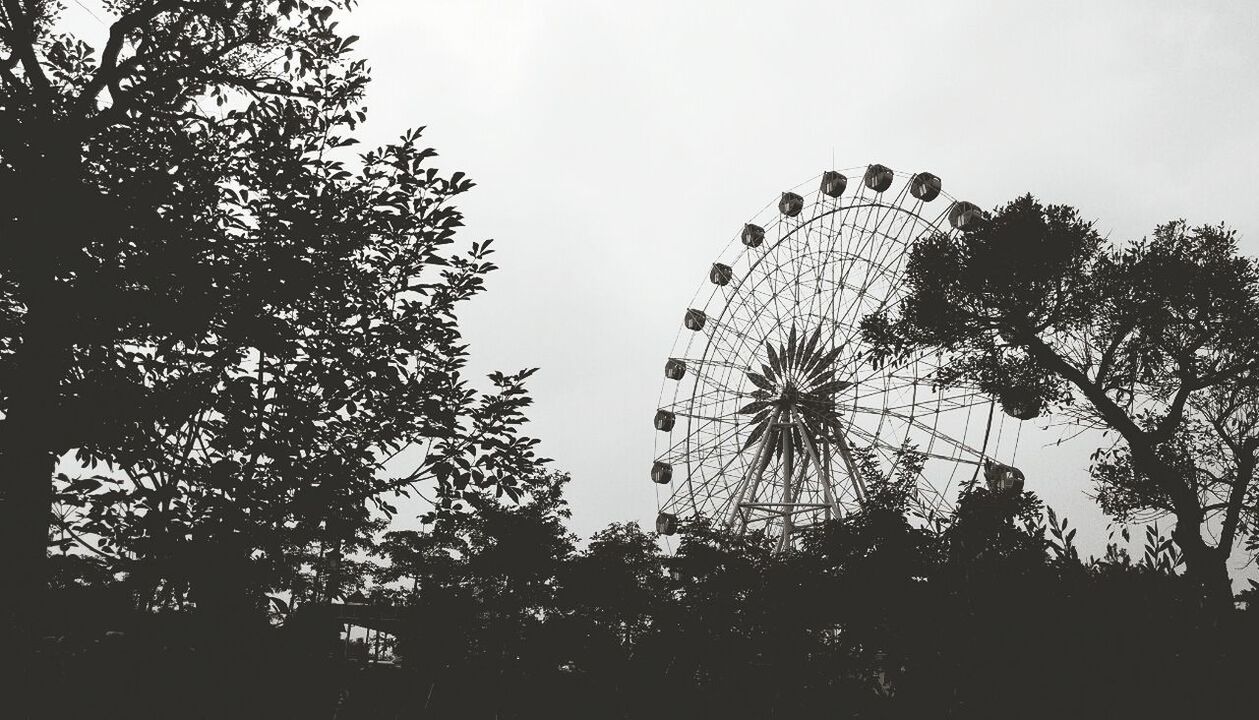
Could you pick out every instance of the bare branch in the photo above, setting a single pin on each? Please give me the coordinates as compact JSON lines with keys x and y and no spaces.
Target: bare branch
{"x":1245,"y":475}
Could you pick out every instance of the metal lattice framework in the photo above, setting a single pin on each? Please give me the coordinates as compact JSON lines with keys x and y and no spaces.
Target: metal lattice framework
{"x":769,"y":405}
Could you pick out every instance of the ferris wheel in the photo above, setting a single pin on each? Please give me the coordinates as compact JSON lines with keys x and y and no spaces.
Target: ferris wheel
{"x":771,"y":414}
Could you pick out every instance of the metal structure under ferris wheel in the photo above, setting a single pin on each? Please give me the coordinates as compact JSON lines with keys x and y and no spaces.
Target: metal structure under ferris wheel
{"x":771,"y":415}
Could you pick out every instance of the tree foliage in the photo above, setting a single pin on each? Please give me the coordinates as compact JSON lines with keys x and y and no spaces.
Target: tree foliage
{"x":1155,"y":341}
{"x":231,"y":321}
{"x":877,"y":613}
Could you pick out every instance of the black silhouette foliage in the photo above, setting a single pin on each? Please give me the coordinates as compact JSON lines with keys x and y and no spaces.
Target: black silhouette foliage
{"x":1155,"y":341}
{"x":236,"y":325}
{"x":880,"y":613}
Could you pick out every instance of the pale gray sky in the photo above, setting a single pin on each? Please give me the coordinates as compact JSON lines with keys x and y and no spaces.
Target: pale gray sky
{"x":619,"y":146}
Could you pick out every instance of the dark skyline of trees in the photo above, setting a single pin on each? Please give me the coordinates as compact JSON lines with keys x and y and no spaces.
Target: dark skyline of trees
{"x":502,"y":614}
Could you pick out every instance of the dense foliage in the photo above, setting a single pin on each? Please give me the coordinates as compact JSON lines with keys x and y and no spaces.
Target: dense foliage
{"x":984,"y":613}
{"x":228,"y":321}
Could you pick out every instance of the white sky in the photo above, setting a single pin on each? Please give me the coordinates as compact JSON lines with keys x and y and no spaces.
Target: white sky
{"x":619,"y":146}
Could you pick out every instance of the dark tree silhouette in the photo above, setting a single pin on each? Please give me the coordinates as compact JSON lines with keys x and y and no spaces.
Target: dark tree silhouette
{"x":617,"y":584}
{"x":483,"y":589}
{"x":880,"y":614}
{"x":202,"y":290}
{"x":1156,"y":341}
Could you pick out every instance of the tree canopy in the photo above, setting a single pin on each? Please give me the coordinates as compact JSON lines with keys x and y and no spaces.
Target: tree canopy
{"x":1156,"y":341}
{"x":232,"y":321}
{"x":499,"y":612}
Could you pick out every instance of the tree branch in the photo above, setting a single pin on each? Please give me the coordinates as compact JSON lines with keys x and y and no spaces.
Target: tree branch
{"x":1175,"y":413}
{"x":107,"y":74}
{"x":124,"y":101}
{"x":1110,"y":412}
{"x":64,"y":526}
{"x":23,"y":38}
{"x":1183,"y":499}
{"x":1245,"y":475}
{"x":1108,"y":356}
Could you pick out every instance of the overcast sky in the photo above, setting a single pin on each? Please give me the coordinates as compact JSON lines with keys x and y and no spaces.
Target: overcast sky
{"x":619,"y":146}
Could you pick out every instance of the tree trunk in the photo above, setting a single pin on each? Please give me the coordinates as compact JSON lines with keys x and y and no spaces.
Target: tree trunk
{"x":51,"y":221}
{"x":26,"y":451}
{"x":332,"y":584}
{"x":1205,"y":566}
{"x":25,"y":502}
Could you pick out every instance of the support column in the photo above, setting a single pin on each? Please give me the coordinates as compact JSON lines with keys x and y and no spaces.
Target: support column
{"x":753,"y":477}
{"x":857,"y":483}
{"x":824,"y":470}
{"x":788,"y":470}
{"x":830,"y":494}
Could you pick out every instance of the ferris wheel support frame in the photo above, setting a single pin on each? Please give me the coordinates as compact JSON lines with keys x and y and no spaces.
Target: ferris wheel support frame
{"x":845,"y":453}
{"x":753,"y":479}
{"x":827,"y":494}
{"x":782,"y":433}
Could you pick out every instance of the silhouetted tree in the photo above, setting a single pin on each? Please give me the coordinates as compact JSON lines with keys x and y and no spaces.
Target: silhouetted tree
{"x":1156,"y":341}
{"x":618,"y":582}
{"x":482,"y":589}
{"x":611,"y":596}
{"x":879,"y":613}
{"x":200,"y":290}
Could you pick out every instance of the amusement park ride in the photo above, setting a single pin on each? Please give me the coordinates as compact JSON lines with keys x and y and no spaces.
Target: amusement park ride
{"x":772,"y":415}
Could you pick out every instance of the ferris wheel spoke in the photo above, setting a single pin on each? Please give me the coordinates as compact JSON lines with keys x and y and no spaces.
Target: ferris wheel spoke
{"x":873,"y":296}
{"x":931,"y":490}
{"x":934,"y":432}
{"x":692,"y":362}
{"x":710,"y":445}
{"x":711,"y":485}
{"x":924,"y":375}
{"x":779,"y":319}
{"x":954,"y":404}
{"x":715,"y":385}
{"x":884,"y":445}
{"x":712,"y":396}
{"x":888,"y":213}
{"x":887,"y":386}
{"x":708,"y":418}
